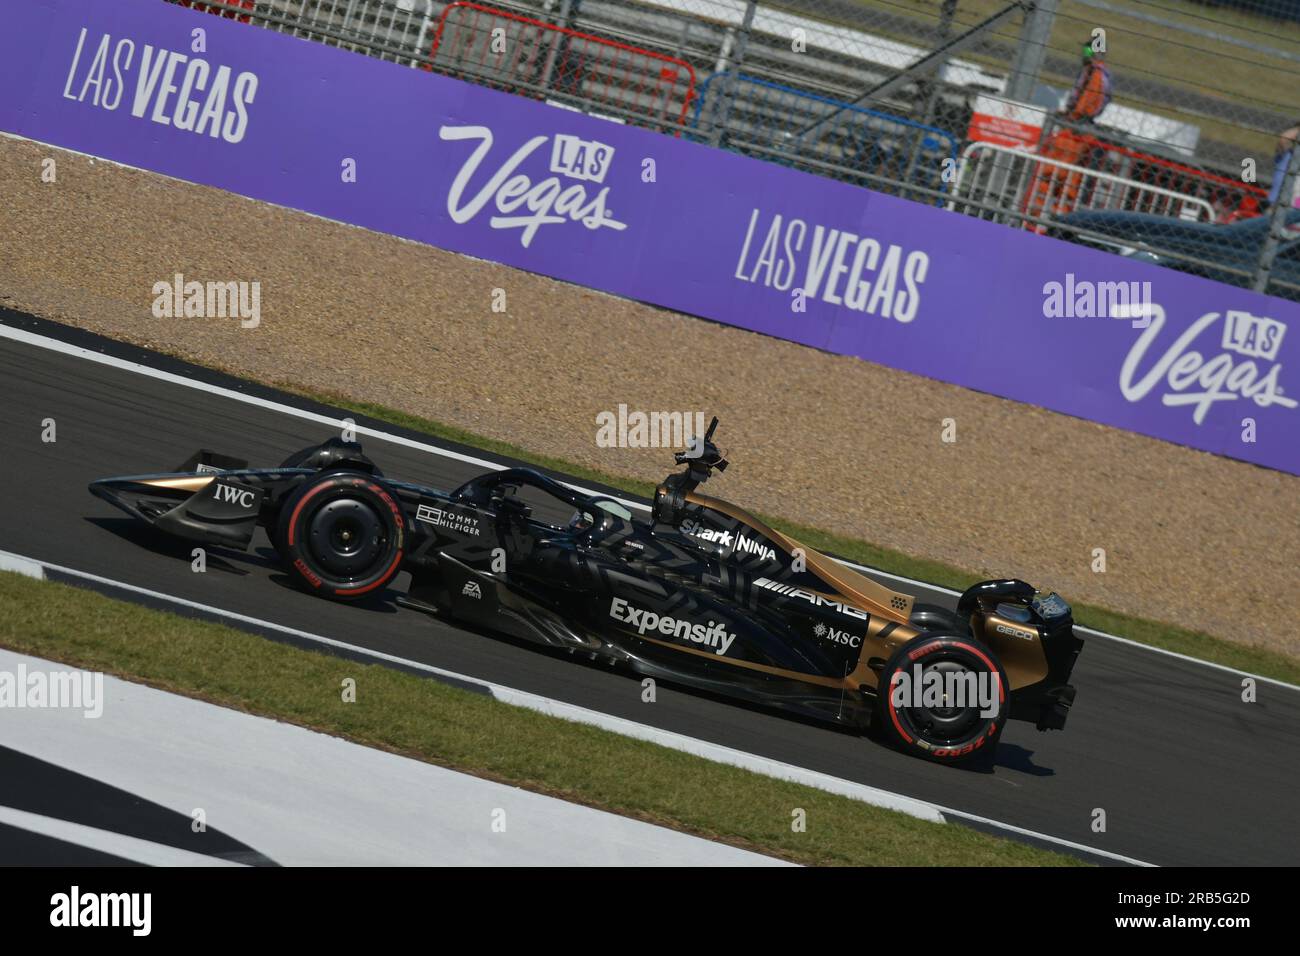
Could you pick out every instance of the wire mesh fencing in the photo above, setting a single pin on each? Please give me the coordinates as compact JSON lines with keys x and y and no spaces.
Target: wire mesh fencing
{"x":1160,"y":128}
{"x":828,"y":137}
{"x":522,"y":54}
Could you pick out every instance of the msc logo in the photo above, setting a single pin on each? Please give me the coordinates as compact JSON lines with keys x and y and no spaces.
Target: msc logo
{"x":231,"y":495}
{"x":836,"y":636}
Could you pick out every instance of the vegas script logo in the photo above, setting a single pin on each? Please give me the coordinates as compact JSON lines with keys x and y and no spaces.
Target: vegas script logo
{"x":1194,"y":378}
{"x":519,"y":202}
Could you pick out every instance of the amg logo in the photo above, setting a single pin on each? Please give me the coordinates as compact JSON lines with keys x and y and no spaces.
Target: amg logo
{"x":234,"y":496}
{"x":815,"y":599}
{"x":713,"y":635}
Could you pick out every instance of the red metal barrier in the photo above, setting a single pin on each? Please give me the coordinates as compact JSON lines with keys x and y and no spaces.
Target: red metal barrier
{"x":518,"y":54}
{"x":1232,"y":199}
{"x":220,"y":11}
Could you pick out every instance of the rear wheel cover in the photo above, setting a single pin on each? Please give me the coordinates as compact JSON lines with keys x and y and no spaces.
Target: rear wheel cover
{"x":946,"y":727}
{"x":342,"y":536}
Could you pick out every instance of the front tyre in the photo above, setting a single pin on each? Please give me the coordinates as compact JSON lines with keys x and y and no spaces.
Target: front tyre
{"x":944,"y":698}
{"x":341,"y":536}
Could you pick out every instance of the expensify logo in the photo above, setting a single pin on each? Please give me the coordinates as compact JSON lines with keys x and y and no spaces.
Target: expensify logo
{"x":173,"y":89}
{"x":528,"y":205}
{"x":1193,"y":379}
{"x":712,"y":635}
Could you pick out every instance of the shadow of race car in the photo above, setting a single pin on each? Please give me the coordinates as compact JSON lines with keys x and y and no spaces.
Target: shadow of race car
{"x":703,"y":594}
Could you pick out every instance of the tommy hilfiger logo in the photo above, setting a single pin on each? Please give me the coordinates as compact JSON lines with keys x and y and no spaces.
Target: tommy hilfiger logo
{"x":447,"y":518}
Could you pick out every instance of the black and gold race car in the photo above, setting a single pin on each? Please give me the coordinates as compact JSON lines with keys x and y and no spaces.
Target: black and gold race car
{"x":703,"y":594}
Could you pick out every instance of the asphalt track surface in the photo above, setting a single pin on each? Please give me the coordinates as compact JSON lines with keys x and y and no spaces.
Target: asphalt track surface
{"x":1186,"y":773}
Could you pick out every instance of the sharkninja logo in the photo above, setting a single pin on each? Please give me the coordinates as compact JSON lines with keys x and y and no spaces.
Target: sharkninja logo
{"x":528,"y":205}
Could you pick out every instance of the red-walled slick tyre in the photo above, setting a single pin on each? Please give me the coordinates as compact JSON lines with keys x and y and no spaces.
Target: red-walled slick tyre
{"x":341,"y":536}
{"x":943,"y":697}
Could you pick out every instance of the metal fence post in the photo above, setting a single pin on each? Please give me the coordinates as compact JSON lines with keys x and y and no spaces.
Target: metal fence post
{"x":548,"y":71}
{"x":1035,"y":33}
{"x":723,"y":109}
{"x":935,"y":83}
{"x":946,"y":14}
{"x":1277,"y":222}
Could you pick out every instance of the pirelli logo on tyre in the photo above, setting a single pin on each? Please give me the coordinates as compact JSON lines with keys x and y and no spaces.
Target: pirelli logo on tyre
{"x":398,"y":517}
{"x":308,"y":574}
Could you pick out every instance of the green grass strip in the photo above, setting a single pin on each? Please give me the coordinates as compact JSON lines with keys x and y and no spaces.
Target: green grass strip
{"x":444,"y":725}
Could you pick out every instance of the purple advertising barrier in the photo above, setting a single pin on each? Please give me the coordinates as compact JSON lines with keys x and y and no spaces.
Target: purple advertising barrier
{"x":655,"y":218}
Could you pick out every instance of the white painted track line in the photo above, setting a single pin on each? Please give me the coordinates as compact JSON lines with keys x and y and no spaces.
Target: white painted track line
{"x":717,"y":753}
{"x":54,"y":345}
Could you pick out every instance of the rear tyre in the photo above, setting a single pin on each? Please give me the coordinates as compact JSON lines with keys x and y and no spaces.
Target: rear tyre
{"x":341,"y":536}
{"x":943,"y":697}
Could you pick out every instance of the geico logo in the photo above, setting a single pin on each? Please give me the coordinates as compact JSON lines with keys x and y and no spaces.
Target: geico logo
{"x":234,"y":496}
{"x":713,"y":635}
{"x":815,"y":599}
{"x":1015,"y":632}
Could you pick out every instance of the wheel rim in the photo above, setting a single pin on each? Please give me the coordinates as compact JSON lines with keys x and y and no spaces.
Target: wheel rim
{"x":346,"y":537}
{"x":945,"y":722}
